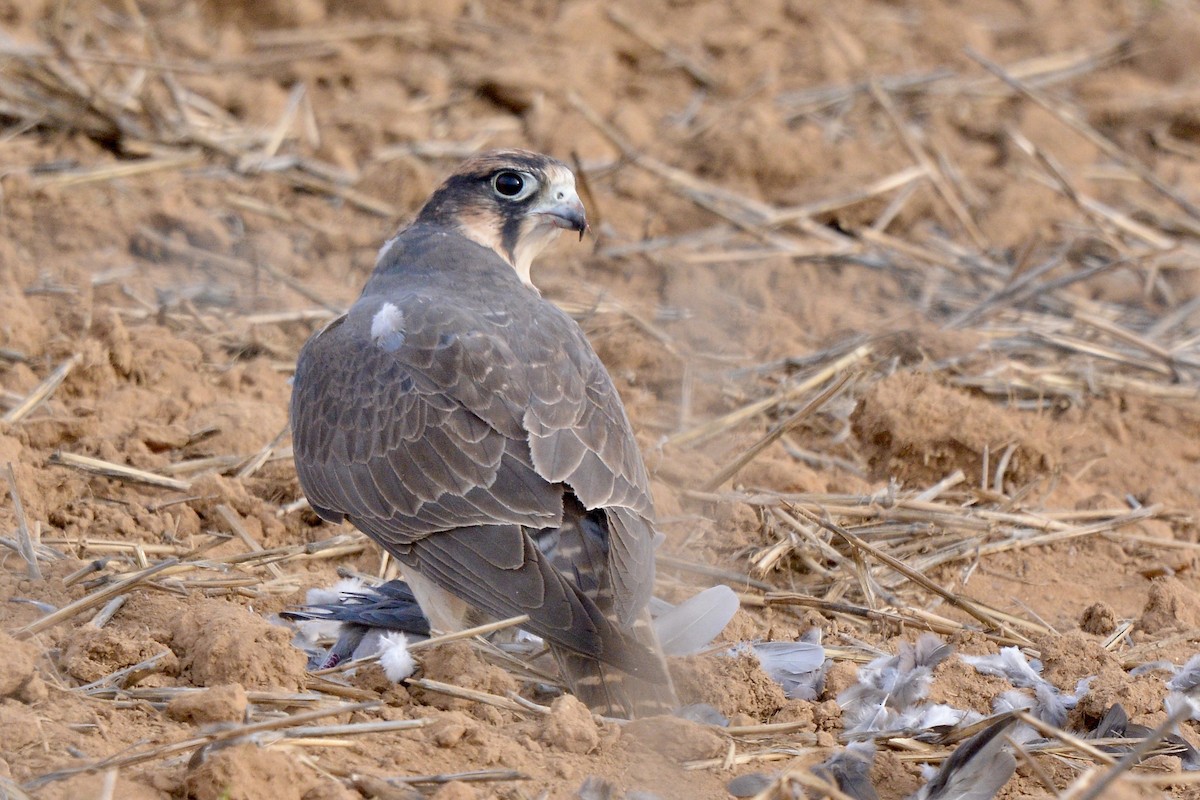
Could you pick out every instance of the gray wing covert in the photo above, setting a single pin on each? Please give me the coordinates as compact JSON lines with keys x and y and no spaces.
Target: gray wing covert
{"x":384,"y":437}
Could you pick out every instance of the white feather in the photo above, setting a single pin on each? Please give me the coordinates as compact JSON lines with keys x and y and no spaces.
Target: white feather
{"x":316,"y":630}
{"x":1012,"y":700}
{"x":1016,"y":700}
{"x":865,"y":719}
{"x":1009,"y":663}
{"x":335,"y":593}
{"x":940,"y":715}
{"x":387,"y":327}
{"x":312,"y":631}
{"x":928,"y":651}
{"x":930,"y":717}
{"x":395,"y":659}
{"x":1051,"y":706}
{"x":1186,"y":678}
{"x":1175,"y":700}
{"x":385,"y":248}
{"x":372,"y":644}
{"x":886,"y":687}
{"x":1047,"y":704}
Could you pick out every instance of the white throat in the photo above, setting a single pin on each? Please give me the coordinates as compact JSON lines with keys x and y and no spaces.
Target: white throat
{"x":530,"y":246}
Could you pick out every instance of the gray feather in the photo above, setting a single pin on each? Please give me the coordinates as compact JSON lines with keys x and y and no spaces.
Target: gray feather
{"x":690,"y":626}
{"x":799,"y":667}
{"x":1009,"y":663}
{"x":850,"y":770}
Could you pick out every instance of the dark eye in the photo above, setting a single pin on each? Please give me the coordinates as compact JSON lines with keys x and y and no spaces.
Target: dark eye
{"x":509,"y":184}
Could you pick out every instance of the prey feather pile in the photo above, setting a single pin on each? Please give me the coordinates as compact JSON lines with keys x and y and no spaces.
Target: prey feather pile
{"x":1033,"y":693}
{"x":886,"y":701}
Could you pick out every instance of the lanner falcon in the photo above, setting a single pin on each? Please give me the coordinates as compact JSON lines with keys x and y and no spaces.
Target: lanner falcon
{"x":456,"y":417}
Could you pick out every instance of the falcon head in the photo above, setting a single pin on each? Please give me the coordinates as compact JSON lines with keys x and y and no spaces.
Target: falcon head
{"x":511,"y":201}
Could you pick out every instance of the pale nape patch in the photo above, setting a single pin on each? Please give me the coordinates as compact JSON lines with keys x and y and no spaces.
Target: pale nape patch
{"x":482,"y":227}
{"x":387,"y":327}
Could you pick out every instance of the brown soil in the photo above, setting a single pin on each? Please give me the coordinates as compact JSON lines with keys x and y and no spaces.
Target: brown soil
{"x":162,"y":283}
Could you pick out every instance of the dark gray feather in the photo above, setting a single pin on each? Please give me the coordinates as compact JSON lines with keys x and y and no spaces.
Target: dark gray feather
{"x":976,"y":769}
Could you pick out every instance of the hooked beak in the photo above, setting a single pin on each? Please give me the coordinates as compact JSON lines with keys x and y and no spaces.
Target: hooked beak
{"x":564,"y":210}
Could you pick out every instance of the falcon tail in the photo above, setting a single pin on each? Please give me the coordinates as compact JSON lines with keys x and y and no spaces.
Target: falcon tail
{"x":612,"y":692}
{"x":579,"y":550}
{"x":469,"y":575}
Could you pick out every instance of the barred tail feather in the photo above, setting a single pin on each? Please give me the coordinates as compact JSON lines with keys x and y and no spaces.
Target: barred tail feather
{"x":613,"y":692}
{"x":579,"y":549}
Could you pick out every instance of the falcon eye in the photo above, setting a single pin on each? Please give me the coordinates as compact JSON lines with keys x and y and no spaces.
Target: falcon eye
{"x":513,"y":185}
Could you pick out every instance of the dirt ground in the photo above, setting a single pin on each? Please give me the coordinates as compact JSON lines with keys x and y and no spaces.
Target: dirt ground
{"x":781,"y":193}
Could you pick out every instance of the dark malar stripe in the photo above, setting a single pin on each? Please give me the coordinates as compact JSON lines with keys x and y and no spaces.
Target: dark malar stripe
{"x":510,"y":234}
